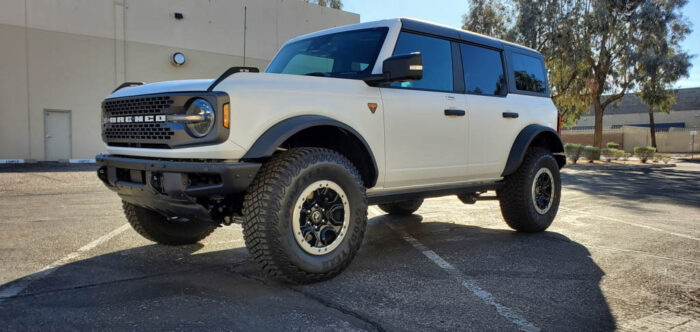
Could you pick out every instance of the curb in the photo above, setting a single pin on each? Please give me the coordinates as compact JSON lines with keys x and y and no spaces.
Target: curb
{"x":615,"y":167}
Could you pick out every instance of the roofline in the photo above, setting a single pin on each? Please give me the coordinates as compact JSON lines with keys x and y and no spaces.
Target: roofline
{"x":421,"y":26}
{"x":472,"y":33}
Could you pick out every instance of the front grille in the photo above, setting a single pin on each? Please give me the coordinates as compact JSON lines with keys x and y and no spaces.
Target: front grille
{"x":135,"y":106}
{"x":139,"y":131}
{"x":141,"y":121}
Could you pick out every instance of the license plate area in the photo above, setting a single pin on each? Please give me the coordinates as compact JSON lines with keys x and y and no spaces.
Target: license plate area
{"x":131,"y":175}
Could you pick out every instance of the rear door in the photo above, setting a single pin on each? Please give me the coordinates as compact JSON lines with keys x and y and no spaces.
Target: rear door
{"x":425,"y":123}
{"x":494,"y":122}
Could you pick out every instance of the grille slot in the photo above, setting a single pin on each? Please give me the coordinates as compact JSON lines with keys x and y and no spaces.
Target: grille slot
{"x":135,"y":106}
{"x":139,"y":131}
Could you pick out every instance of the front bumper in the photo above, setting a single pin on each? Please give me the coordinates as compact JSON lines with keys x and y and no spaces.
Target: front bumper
{"x":174,"y":188}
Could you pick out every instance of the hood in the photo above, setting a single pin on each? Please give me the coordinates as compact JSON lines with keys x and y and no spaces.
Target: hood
{"x":163,"y":87}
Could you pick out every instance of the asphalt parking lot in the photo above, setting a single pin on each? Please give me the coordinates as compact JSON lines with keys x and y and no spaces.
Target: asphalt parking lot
{"x":624,"y":252}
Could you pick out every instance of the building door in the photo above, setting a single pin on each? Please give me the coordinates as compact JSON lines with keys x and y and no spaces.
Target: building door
{"x":57,"y":135}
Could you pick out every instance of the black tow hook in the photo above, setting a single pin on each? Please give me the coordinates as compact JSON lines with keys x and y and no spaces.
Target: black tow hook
{"x":102,"y":175}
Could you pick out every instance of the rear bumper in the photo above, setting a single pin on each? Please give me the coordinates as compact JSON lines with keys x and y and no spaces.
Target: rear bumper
{"x":174,"y":188}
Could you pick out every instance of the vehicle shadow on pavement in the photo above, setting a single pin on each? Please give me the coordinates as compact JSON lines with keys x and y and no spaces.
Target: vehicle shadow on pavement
{"x":649,"y":184}
{"x":546,"y":278}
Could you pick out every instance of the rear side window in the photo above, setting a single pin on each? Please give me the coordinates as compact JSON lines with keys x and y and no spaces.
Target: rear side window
{"x":483,"y":71}
{"x":437,"y":61}
{"x":529,"y":73}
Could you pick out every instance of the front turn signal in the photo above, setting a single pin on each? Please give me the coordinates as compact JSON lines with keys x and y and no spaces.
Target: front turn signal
{"x":226,"y":117}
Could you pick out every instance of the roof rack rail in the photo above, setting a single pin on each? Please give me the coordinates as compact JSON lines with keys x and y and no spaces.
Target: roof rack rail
{"x":230,"y":72}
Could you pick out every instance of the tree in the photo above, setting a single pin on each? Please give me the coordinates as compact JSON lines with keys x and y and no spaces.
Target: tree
{"x":555,"y":29}
{"x":660,"y":59}
{"x":335,"y":4}
{"x":488,"y":17}
{"x":591,"y":48}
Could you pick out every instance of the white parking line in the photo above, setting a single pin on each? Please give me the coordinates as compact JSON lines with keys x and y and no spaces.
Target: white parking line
{"x":632,"y":224}
{"x":470,"y":285}
{"x":23,"y":283}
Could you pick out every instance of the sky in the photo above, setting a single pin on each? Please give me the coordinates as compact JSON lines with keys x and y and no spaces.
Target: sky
{"x":449,"y":12}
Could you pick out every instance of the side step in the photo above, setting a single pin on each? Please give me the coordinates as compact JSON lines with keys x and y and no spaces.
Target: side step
{"x":470,"y":190}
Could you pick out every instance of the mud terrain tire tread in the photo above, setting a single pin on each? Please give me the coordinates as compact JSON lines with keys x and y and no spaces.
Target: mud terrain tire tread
{"x":265,"y":221}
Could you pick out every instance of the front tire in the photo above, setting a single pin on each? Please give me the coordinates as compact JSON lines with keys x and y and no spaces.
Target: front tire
{"x":530,"y":196}
{"x":157,"y":228}
{"x":403,"y":208}
{"x":305,"y":215}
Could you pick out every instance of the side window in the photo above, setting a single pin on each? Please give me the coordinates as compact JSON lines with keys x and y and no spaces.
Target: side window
{"x":301,"y":64}
{"x":437,"y":61}
{"x":528,"y":72}
{"x":483,"y":71}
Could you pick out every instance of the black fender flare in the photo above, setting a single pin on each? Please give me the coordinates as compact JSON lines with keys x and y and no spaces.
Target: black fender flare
{"x":523,"y":141}
{"x":273,"y":137}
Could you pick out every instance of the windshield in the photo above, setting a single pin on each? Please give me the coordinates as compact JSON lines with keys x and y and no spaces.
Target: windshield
{"x":349,"y":54}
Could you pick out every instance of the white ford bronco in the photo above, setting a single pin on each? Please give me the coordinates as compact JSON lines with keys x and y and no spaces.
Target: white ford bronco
{"x":386,"y":113}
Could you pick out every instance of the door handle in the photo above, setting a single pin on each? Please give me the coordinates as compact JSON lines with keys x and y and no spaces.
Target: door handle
{"x":455,"y":112}
{"x":511,"y":115}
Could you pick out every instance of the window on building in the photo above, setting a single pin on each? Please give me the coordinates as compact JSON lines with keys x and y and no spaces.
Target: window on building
{"x":483,"y":71}
{"x":529,"y":73}
{"x":437,"y":61}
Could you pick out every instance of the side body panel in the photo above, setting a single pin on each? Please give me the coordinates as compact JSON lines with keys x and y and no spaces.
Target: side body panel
{"x":491,"y":135}
{"x":260,"y":101}
{"x":423,"y":145}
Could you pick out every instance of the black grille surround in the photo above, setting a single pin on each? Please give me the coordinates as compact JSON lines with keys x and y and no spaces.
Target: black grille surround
{"x":141,"y":121}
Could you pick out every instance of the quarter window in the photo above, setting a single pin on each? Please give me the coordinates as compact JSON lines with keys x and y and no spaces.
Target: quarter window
{"x":483,"y":71}
{"x":528,"y":72}
{"x":437,"y":61}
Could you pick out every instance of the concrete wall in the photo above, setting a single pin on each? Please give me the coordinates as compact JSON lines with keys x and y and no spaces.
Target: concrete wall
{"x":676,"y":140}
{"x":690,"y":118}
{"x":585,"y":137}
{"x":70,"y":54}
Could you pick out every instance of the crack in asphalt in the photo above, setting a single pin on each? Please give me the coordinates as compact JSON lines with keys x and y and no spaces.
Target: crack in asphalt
{"x":112,"y":282}
{"x":321,"y":301}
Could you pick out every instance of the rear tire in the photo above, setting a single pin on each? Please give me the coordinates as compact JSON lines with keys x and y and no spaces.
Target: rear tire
{"x":530,"y":196}
{"x":403,"y":208}
{"x":155,"y":227}
{"x":305,"y":215}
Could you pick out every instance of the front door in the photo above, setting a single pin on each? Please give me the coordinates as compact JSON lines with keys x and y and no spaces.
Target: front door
{"x":424,"y":121}
{"x":57,"y":135}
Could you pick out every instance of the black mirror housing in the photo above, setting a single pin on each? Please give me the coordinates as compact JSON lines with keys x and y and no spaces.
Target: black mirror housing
{"x":403,"y":67}
{"x":399,"y":68}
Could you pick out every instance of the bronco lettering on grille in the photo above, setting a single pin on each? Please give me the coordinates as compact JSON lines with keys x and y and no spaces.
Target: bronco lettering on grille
{"x":137,"y":119}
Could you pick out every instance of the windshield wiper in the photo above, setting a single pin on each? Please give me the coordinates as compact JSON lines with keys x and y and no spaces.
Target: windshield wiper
{"x":318,"y":73}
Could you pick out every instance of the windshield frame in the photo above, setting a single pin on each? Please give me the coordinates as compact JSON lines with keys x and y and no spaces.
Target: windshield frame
{"x":359,"y":75}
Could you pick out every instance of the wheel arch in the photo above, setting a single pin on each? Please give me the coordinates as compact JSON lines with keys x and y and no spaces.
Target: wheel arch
{"x":298,"y":131}
{"x":534,"y":135}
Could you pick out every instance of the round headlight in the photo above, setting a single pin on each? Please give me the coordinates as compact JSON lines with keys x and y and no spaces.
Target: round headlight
{"x":206,"y":111}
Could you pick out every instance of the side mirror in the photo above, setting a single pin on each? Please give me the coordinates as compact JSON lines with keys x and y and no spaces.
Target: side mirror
{"x":403,"y":68}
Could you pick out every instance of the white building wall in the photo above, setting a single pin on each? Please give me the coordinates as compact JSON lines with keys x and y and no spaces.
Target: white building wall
{"x":70,"y":54}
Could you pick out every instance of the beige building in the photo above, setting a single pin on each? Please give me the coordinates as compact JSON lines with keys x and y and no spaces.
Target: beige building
{"x":630,"y":111}
{"x":61,"y":58}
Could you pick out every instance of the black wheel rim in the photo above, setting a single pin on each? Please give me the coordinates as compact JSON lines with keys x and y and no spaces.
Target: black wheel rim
{"x":543,"y":190}
{"x":320,"y":217}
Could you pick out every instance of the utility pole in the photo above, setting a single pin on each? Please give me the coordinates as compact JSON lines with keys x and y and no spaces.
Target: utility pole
{"x":245,"y":30}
